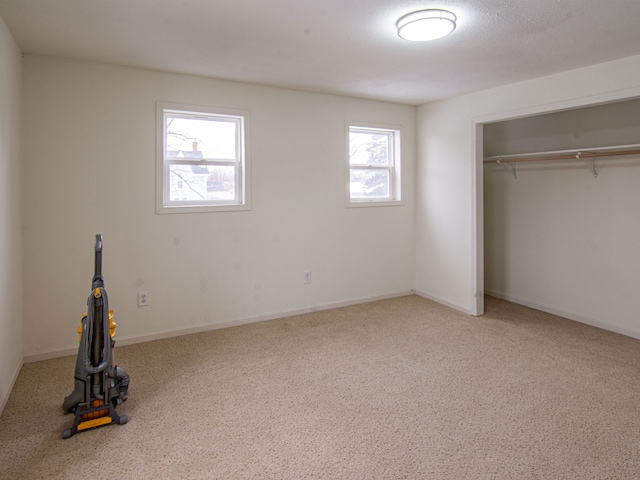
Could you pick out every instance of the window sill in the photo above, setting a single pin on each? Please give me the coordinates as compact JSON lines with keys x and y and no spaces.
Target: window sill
{"x":376,"y":203}
{"x":164,"y":210}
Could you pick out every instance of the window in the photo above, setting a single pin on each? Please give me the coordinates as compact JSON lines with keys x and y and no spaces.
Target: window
{"x":374,"y":165}
{"x":202,"y":159}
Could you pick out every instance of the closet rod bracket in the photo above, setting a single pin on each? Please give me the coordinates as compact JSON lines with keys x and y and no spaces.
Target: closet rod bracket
{"x":513,"y":169}
{"x":589,"y":162}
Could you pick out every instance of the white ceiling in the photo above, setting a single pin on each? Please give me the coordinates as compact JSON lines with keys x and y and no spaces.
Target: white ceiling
{"x":347,"y":47}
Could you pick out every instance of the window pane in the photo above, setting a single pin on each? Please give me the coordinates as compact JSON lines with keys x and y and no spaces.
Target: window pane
{"x":369,"y":148}
{"x":370,"y":183}
{"x":196,"y":138}
{"x":191,"y":183}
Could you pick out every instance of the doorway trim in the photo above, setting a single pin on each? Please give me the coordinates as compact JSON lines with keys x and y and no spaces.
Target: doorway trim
{"x":477,"y":173}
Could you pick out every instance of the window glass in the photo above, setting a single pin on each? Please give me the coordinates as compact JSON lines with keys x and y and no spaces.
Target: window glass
{"x":368,"y":183}
{"x":369,"y":148}
{"x":206,"y":137}
{"x":202,"y":159}
{"x":374,"y":165}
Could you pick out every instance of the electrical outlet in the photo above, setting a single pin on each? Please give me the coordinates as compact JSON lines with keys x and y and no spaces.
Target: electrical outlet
{"x":143,"y":299}
{"x":307,"y":277}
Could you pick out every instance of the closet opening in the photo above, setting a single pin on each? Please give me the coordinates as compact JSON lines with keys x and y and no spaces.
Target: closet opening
{"x":557,"y":198}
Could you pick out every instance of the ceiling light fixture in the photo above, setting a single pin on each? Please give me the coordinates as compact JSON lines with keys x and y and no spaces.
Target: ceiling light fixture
{"x":426,"y":25}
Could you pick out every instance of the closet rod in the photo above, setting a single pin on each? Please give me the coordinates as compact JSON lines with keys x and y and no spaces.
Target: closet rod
{"x":578,"y":155}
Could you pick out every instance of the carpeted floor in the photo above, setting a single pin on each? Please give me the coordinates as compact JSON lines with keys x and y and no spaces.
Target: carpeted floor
{"x":400,"y":388}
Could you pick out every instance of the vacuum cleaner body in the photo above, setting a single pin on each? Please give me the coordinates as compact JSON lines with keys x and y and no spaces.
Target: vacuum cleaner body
{"x":99,"y":385}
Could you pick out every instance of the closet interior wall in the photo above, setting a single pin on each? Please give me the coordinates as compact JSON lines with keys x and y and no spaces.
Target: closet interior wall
{"x":556,"y":238}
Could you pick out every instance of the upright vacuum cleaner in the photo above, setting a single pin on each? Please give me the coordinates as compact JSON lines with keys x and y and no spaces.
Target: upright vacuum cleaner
{"x":99,"y":385}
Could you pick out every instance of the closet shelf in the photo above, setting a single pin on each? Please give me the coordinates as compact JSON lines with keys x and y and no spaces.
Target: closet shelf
{"x":587,"y":155}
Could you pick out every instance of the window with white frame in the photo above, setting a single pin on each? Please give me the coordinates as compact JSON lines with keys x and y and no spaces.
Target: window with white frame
{"x":374,"y":165}
{"x":202,"y":159}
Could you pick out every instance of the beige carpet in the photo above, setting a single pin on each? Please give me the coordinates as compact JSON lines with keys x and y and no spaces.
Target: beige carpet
{"x":400,"y":388}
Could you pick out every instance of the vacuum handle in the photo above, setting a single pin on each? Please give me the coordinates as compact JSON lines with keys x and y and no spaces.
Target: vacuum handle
{"x":101,"y":326}
{"x":97,"y":276}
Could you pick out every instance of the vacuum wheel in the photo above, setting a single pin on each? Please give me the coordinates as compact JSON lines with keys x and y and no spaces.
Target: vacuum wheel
{"x":67,"y":433}
{"x":122,"y":420}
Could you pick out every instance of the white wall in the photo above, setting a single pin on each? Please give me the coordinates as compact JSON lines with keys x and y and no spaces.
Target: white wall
{"x":610,"y":124}
{"x":89,"y":167}
{"x":10,"y":210}
{"x":443,"y":204}
{"x":449,"y":208}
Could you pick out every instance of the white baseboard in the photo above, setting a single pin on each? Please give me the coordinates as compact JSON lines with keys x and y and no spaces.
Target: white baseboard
{"x":12,"y":382}
{"x":122,"y":341}
{"x":565,"y":314}
{"x":442,"y":301}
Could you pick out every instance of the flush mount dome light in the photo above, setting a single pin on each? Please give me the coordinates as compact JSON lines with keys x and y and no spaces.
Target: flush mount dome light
{"x":426,"y":25}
